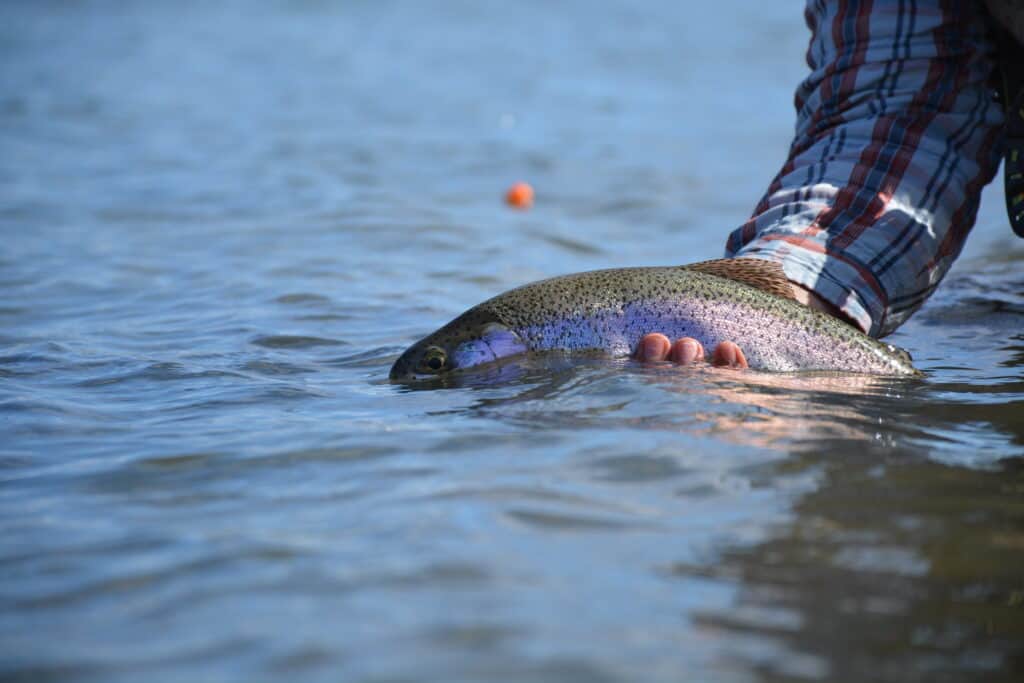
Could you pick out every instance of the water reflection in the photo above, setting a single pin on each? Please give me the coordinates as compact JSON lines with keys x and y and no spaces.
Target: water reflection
{"x":792,"y":411}
{"x":895,"y":568}
{"x":764,"y":410}
{"x":782,"y":411}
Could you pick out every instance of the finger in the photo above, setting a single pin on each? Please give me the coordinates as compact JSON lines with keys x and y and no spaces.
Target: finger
{"x":730,"y":355}
{"x":686,"y":351}
{"x":653,"y":347}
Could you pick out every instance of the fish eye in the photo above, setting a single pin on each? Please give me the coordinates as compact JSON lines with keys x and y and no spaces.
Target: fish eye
{"x":434,"y":359}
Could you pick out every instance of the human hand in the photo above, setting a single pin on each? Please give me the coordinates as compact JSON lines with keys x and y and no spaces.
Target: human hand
{"x":687,"y":350}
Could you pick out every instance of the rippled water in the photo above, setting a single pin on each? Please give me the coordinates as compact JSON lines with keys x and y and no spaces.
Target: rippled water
{"x":222,"y":223}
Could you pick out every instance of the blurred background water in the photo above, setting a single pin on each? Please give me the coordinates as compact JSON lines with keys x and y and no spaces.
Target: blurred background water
{"x":221,"y":222}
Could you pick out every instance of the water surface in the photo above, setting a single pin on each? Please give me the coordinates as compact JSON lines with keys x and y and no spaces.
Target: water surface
{"x":221,"y":224}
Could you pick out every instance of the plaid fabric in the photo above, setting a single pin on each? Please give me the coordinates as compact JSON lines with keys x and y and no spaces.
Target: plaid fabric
{"x":897,"y":133}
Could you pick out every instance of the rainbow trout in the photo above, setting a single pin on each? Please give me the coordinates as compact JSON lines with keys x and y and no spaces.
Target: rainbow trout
{"x":744,"y":300}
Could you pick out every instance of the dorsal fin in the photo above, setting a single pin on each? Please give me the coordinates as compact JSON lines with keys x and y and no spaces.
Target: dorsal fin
{"x":767,"y":276}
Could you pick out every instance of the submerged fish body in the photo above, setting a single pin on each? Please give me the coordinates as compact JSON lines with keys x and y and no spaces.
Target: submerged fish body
{"x":609,"y":311}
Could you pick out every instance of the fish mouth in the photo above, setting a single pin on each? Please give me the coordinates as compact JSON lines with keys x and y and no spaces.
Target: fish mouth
{"x":398,"y":371}
{"x":404,"y":367}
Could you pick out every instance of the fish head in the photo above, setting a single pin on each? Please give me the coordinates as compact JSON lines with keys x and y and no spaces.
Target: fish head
{"x":463,"y":343}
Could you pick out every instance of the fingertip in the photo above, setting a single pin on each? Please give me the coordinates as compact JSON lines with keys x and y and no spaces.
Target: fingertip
{"x":728,"y":354}
{"x":686,"y":351}
{"x":653,"y":347}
